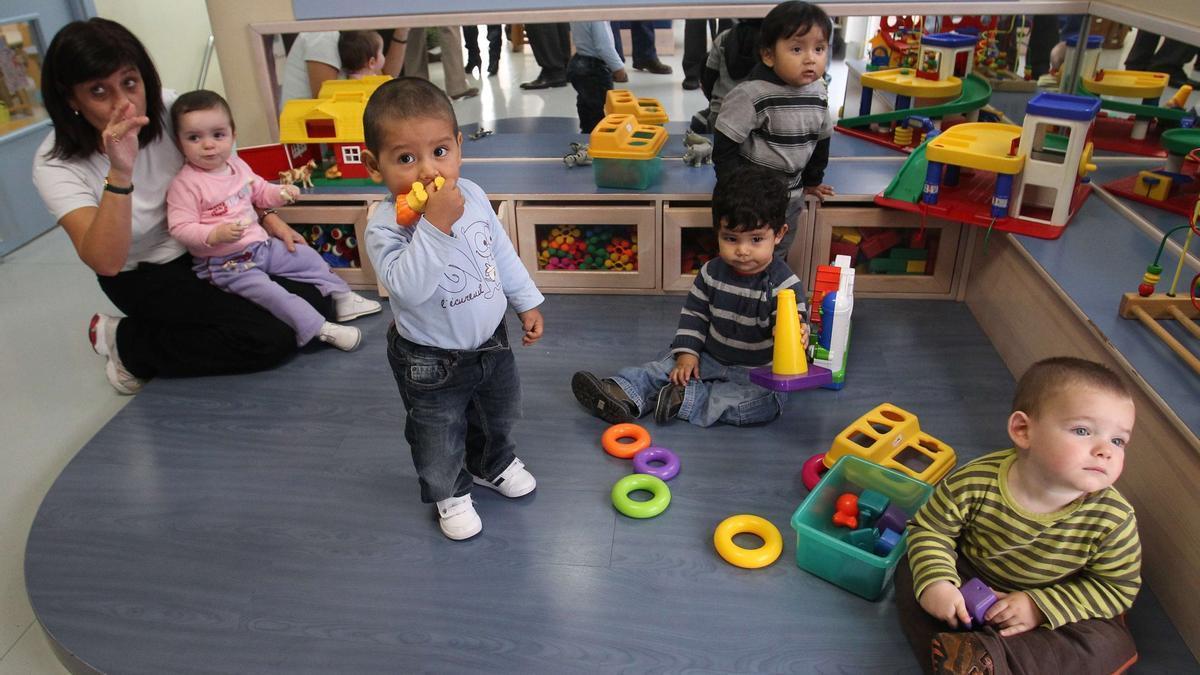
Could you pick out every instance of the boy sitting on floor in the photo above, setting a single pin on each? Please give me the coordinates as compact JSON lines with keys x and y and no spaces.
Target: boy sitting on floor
{"x":1043,"y":526}
{"x":726,"y":325}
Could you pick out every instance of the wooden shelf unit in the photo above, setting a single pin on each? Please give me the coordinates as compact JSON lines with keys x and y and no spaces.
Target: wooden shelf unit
{"x":353,"y":213}
{"x":950,"y":254}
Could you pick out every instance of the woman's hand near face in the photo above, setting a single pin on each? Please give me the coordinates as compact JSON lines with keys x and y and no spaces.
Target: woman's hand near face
{"x":120,"y":140}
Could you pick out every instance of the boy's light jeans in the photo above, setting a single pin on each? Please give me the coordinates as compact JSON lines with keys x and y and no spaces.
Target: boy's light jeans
{"x":723,"y":393}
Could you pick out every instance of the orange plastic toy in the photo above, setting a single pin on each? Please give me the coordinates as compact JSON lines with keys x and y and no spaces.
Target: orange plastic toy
{"x":847,"y":511}
{"x":409,"y":209}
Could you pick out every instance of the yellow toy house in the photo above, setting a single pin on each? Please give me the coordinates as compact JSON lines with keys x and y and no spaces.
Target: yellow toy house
{"x":333,"y":118}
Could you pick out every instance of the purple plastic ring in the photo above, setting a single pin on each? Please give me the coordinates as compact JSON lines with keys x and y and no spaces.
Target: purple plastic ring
{"x":669,"y":469}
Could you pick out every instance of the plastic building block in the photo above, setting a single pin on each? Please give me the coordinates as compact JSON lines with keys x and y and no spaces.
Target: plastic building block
{"x":878,"y":242}
{"x":864,"y":539}
{"x":909,"y":253}
{"x":887,"y":266}
{"x":892,"y":518}
{"x":828,"y":278}
{"x":871,"y":505}
{"x":847,"y":511}
{"x":892,"y":437}
{"x":843,"y":248}
{"x":849,"y":234}
{"x":979,"y":599}
{"x":888,"y":539}
{"x":915,"y":267}
{"x":1153,"y":185}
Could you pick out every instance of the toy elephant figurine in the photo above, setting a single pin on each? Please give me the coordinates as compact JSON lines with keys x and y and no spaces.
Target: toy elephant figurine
{"x":578,"y":156}
{"x":698,"y":149}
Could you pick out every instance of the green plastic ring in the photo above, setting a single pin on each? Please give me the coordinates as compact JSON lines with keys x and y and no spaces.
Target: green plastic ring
{"x":641,"y":481}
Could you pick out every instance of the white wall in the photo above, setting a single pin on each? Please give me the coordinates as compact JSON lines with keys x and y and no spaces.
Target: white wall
{"x":175,"y":33}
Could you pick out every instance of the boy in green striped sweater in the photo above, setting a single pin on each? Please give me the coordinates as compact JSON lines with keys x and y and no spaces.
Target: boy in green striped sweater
{"x":1042,"y":525}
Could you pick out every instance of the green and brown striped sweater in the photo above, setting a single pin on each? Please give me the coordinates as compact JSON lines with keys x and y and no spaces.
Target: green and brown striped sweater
{"x":1081,"y":562}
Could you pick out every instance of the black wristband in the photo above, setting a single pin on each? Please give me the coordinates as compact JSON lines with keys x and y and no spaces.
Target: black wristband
{"x":109,"y":187}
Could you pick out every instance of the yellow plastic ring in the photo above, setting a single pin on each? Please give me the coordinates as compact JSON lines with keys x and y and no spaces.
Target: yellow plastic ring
{"x":611,"y":440}
{"x":749,"y":558}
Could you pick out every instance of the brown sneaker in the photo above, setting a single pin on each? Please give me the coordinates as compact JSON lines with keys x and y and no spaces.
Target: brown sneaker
{"x":670,"y":400}
{"x":603,"y":398}
{"x":960,"y":653}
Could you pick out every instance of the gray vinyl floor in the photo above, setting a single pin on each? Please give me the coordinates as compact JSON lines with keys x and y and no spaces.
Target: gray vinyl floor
{"x":272,"y":523}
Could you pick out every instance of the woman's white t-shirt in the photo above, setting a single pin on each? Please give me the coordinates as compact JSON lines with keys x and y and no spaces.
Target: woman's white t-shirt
{"x":321,"y":47}
{"x":67,"y":185}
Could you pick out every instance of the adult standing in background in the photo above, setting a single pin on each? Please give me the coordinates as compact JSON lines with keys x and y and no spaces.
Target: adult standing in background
{"x":551,"y":44}
{"x":311,"y":61}
{"x":416,"y":60}
{"x":103,"y":173}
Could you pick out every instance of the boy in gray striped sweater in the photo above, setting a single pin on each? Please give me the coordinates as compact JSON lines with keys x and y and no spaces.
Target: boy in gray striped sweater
{"x":726,"y":326}
{"x":779,"y":117}
{"x":1042,"y":525}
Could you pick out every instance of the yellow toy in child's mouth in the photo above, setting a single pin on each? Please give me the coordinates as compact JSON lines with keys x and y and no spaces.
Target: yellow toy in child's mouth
{"x":410,"y":208}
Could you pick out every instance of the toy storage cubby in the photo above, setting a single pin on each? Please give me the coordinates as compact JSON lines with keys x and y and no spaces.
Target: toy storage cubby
{"x":688,"y":241}
{"x":596,"y":247}
{"x":889,"y":257}
{"x":345,"y":217}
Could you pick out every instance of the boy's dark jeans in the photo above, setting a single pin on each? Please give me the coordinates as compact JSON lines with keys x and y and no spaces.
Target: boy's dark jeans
{"x":461,"y":407}
{"x":591,"y":79}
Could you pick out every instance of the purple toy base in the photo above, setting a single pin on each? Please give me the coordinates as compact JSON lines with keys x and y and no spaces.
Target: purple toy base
{"x":815,"y":377}
{"x":893,"y":518}
{"x":979,"y":599}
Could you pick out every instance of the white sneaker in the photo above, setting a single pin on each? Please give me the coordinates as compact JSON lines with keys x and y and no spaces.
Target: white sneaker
{"x":457,"y":518}
{"x":345,"y":338}
{"x":513,"y":482}
{"x":351,"y":305}
{"x":102,"y":333}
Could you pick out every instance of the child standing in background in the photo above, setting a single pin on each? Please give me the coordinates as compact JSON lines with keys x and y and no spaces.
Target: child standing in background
{"x":779,"y":116}
{"x":210,"y":209}
{"x":1043,"y":526}
{"x":591,"y":70}
{"x":361,"y":52}
{"x":725,"y":328}
{"x":450,"y":277}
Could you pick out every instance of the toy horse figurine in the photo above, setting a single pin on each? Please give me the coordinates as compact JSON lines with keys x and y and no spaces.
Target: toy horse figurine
{"x":578,"y":156}
{"x":699,"y":149}
{"x":300,"y":174}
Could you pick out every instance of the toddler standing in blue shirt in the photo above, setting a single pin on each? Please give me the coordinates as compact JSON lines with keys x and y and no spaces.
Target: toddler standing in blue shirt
{"x":450,"y":278}
{"x":592,"y":70}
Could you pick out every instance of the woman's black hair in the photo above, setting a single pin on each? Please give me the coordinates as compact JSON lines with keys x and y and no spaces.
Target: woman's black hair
{"x":748,"y":199}
{"x":87,"y":50}
{"x":789,"y":18}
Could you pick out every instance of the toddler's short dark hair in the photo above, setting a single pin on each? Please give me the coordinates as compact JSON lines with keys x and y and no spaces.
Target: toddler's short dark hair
{"x":1049,"y":377}
{"x":357,"y":47}
{"x":401,"y":99}
{"x":750,"y":198}
{"x":200,"y":99}
{"x":789,"y":18}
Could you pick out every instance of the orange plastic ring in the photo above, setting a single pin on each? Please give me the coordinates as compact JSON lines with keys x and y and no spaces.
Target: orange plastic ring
{"x":611,"y":440}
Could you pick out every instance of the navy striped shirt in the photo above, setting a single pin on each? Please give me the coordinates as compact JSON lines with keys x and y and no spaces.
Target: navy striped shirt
{"x":732,"y":316}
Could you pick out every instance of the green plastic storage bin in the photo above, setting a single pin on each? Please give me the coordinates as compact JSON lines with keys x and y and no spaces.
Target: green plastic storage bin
{"x":819,"y":545}
{"x":630,"y":174}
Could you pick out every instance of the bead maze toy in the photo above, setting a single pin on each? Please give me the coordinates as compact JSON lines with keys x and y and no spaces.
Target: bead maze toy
{"x":1175,"y":186}
{"x":833,"y":294}
{"x":969,"y":173}
{"x":1148,"y":307}
{"x":890,"y":437}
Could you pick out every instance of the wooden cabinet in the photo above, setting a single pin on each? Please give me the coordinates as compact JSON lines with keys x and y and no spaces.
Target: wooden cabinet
{"x":345,"y":219}
{"x":589,"y":247}
{"x":896,"y":253}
